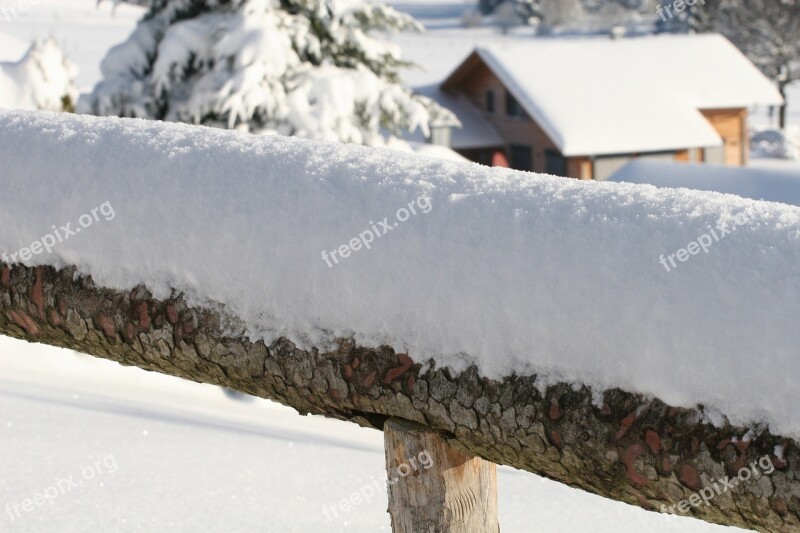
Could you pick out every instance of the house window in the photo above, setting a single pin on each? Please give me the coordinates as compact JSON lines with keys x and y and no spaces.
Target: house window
{"x":555,"y":163}
{"x":490,"y":101}
{"x":513,"y":109}
{"x":521,"y":157}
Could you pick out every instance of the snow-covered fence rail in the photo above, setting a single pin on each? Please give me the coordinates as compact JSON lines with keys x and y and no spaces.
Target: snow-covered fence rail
{"x":526,"y":318}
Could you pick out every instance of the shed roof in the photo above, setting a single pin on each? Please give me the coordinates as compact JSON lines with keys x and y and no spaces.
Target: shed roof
{"x":475,"y":130}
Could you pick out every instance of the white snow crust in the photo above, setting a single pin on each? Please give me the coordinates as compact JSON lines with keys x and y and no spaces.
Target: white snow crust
{"x":511,"y":271}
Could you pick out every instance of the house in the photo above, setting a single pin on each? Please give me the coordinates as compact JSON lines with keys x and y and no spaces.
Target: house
{"x":584,"y":107}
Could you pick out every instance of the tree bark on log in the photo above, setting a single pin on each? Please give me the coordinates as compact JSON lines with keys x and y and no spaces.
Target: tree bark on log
{"x":623,"y":446}
{"x":434,"y":487}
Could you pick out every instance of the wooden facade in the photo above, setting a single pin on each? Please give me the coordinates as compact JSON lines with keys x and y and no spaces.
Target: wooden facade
{"x":731,"y":125}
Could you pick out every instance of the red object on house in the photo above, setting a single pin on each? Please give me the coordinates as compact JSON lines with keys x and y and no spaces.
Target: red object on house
{"x":499,"y":159}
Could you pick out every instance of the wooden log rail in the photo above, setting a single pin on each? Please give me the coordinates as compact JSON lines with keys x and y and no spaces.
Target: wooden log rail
{"x":628,"y":447}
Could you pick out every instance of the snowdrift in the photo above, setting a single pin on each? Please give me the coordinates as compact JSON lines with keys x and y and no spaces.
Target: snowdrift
{"x":511,"y":271}
{"x":773,"y":185}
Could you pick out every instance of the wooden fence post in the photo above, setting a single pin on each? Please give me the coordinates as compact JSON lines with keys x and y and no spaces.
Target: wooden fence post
{"x":434,"y":488}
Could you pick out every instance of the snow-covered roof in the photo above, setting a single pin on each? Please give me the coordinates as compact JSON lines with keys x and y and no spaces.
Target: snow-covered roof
{"x":604,"y":96}
{"x":475,"y":130}
{"x":773,"y":185}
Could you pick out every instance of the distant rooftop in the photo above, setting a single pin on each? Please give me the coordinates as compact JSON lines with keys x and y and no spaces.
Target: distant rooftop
{"x":475,"y":130}
{"x":595,"y":96}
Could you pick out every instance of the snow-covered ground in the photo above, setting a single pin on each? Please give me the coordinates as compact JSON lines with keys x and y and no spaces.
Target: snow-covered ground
{"x":151,"y":453}
{"x":772,"y":183}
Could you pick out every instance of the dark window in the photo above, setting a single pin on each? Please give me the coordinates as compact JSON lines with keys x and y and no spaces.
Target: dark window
{"x":556,"y":164}
{"x":521,"y":157}
{"x":490,"y":101}
{"x":485,"y":157}
{"x":513,"y":109}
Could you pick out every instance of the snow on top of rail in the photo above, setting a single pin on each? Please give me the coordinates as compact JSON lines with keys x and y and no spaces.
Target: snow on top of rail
{"x":509,"y":270}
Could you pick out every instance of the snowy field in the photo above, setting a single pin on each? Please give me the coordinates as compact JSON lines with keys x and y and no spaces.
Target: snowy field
{"x":151,"y":453}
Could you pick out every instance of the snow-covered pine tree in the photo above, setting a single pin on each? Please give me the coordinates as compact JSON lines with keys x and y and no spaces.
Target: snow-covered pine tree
{"x":43,"y":79}
{"x":312,"y":68}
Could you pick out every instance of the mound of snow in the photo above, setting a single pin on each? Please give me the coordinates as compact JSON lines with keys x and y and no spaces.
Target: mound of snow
{"x":462,"y":263}
{"x":775,"y":144}
{"x":426,"y":149}
{"x":42,"y":79}
{"x":769,"y":184}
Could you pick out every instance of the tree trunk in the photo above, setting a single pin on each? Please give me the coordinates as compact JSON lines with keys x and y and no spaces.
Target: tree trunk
{"x":434,"y":487}
{"x":620,"y":445}
{"x":782,"y":109}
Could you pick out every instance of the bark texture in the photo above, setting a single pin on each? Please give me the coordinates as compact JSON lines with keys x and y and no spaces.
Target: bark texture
{"x":628,"y":447}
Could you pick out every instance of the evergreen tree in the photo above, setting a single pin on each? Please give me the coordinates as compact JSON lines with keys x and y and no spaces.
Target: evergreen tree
{"x":313,"y":68}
